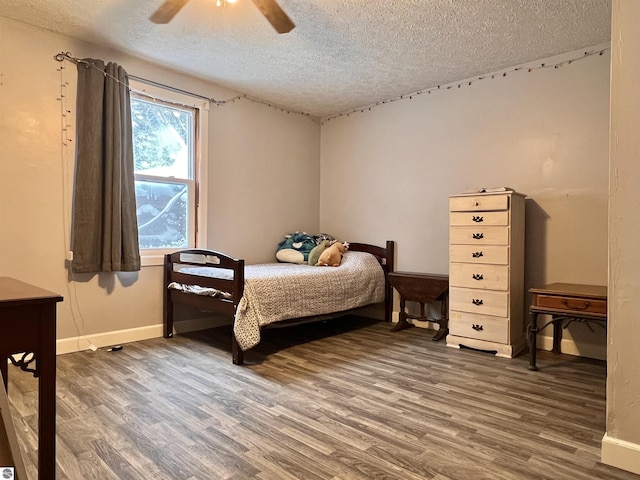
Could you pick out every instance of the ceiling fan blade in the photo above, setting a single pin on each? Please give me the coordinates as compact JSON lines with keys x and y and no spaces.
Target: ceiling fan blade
{"x":276,"y":16}
{"x":167,"y":11}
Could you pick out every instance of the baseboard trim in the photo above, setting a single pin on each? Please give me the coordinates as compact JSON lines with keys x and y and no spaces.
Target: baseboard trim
{"x":621,"y":454}
{"x":118,"y":337}
{"x":568,"y":346}
{"x":395,"y":318}
{"x":100,"y":340}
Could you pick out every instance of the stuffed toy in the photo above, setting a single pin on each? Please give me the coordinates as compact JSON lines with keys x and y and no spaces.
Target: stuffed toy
{"x":317,"y":250}
{"x":332,"y":255}
{"x":320,"y":237}
{"x":295,"y":248}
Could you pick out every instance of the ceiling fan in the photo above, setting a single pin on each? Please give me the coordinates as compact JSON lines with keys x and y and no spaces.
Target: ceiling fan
{"x":269,"y":8}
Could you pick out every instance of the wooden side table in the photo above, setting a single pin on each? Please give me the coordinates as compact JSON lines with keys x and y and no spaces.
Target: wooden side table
{"x":565,"y":303}
{"x":28,"y":326}
{"x":422,"y":288}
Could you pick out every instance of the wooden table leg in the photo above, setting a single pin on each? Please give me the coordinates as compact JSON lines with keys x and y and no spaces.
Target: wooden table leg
{"x":533,"y":340}
{"x":46,"y":366}
{"x":443,"y":322}
{"x":557,"y":335}
{"x":402,"y":321}
{"x":3,"y":369}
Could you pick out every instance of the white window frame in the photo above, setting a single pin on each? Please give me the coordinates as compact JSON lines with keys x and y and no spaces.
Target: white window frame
{"x":198,"y":233}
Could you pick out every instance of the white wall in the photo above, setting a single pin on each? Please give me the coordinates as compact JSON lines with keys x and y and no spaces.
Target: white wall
{"x":263,"y":169}
{"x":387,"y":173}
{"x":621,"y":444}
{"x":265,"y":179}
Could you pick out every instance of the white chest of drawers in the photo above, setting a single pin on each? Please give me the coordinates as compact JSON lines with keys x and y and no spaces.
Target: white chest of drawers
{"x":486,"y":272}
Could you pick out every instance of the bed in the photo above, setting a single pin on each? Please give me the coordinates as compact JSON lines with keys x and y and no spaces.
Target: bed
{"x":262,"y":296}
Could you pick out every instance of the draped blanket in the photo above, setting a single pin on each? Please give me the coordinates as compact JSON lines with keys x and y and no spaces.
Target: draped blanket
{"x":283,"y":291}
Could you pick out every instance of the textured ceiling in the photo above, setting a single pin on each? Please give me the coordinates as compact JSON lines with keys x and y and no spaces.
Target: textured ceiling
{"x":342,"y":54}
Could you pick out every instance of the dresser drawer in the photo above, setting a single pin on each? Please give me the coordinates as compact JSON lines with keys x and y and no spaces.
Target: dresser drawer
{"x":479,"y":218}
{"x":479,"y":235}
{"x":486,"y":277}
{"x":571,"y":303}
{"x":494,"y":254}
{"x":477,"y":203}
{"x":484,"y":302}
{"x":481,"y":327}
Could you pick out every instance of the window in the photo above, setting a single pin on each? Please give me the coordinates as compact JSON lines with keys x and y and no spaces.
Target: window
{"x":168,"y":157}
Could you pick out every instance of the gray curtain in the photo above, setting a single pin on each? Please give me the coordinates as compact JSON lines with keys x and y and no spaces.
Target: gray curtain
{"x":105,"y":226}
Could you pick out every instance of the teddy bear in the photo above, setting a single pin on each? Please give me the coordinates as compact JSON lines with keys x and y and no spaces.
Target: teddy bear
{"x":332,"y":255}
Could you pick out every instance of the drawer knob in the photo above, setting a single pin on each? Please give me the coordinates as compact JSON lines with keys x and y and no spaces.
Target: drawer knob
{"x":476,"y":204}
{"x":477,"y":301}
{"x":478,"y":236}
{"x":476,"y":254}
{"x":477,"y":328}
{"x":477,"y":219}
{"x":575,"y":307}
{"x":477,"y":276}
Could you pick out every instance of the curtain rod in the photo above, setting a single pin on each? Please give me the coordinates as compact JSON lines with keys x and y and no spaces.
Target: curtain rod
{"x":177,"y":90}
{"x":62,"y":56}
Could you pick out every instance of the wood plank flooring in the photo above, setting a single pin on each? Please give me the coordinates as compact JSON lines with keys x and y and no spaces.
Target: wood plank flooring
{"x":339,"y":400}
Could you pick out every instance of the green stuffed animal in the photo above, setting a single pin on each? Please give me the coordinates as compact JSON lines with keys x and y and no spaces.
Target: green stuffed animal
{"x":295,"y":248}
{"x":314,"y":255}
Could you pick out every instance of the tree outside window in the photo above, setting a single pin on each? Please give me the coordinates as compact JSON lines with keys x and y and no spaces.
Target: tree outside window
{"x":163,"y":148}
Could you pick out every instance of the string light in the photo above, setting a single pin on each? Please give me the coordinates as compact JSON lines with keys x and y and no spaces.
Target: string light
{"x":468,"y":83}
{"x":62,"y":56}
{"x":66,"y":158}
{"x":367,"y":108}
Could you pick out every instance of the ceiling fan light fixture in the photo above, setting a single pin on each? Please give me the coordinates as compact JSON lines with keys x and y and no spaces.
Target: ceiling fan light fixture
{"x":278,"y":19}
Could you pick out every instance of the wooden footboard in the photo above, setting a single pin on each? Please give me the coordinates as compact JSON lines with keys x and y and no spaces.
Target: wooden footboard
{"x":230,"y":284}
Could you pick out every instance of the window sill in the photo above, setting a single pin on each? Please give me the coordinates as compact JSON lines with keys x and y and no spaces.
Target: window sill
{"x":152,"y":260}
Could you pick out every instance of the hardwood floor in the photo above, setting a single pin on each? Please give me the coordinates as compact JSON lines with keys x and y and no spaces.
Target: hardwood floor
{"x":340,"y":400}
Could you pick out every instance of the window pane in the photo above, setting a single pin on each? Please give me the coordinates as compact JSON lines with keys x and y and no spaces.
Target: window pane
{"x":163,"y":214}
{"x":162,"y":139}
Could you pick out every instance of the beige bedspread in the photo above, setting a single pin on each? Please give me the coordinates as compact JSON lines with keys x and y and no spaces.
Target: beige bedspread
{"x":282,"y":291}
